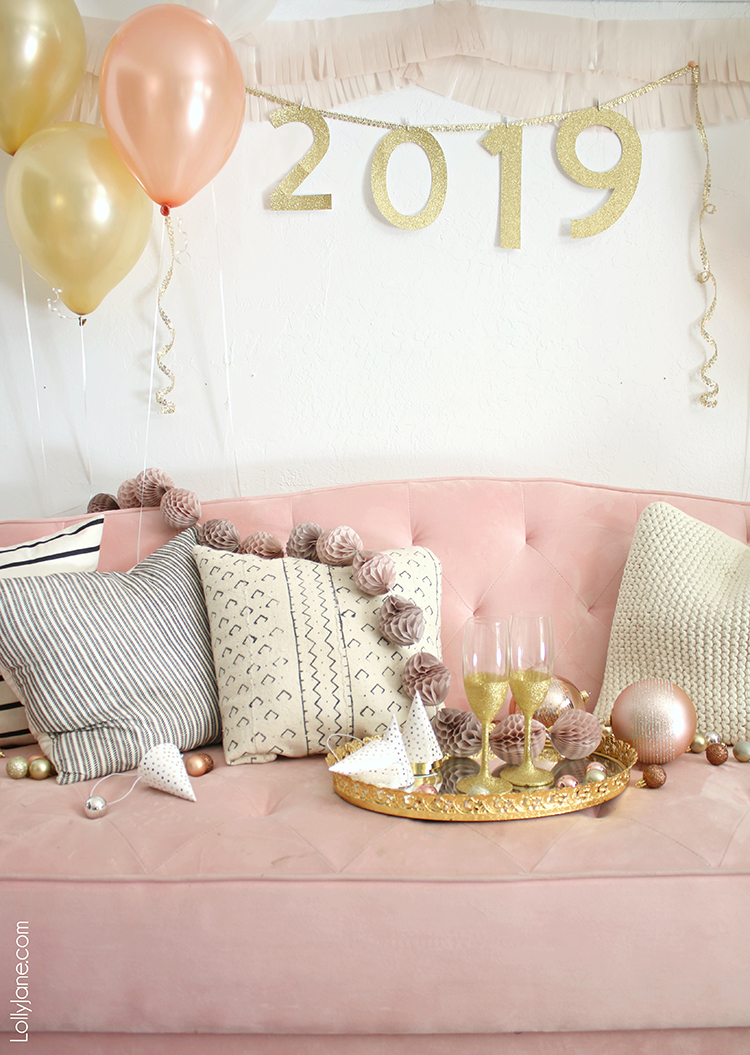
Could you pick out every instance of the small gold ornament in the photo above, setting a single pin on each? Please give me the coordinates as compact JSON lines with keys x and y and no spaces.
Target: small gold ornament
{"x":40,"y":768}
{"x":17,"y":767}
{"x":699,"y":744}
{"x":741,"y":751}
{"x":198,"y":764}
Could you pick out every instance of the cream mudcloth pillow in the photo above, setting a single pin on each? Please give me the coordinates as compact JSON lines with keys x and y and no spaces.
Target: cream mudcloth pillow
{"x":683,"y":613}
{"x":298,"y":654}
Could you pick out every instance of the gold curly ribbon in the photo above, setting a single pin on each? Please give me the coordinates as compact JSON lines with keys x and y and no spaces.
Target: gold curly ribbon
{"x":709,"y":398}
{"x":165,"y":405}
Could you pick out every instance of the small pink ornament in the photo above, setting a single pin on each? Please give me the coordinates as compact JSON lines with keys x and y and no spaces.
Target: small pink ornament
{"x":656,"y":717}
{"x":219,"y":534}
{"x":338,"y":546}
{"x":102,"y":503}
{"x":401,"y":621}
{"x":302,"y":542}
{"x":567,"y":781}
{"x":425,"y":674}
{"x":151,"y":485}
{"x":127,"y":495}
{"x":262,"y":544}
{"x":180,"y":508}
{"x":374,"y":574}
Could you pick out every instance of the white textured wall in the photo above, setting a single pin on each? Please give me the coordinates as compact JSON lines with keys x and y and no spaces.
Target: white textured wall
{"x":361,"y":351}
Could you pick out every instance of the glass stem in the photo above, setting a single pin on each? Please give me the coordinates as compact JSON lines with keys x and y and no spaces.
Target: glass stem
{"x":527,"y":740}
{"x":484,"y":766}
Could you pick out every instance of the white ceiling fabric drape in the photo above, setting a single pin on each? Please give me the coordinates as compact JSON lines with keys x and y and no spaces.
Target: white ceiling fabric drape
{"x":514,"y":63}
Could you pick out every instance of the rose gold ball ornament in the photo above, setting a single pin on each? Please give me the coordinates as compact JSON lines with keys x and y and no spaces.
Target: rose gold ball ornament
{"x":562,"y":697}
{"x":717,"y":754}
{"x":567,"y":780}
{"x":17,"y":767}
{"x":197,"y":765}
{"x":741,"y":751}
{"x":653,"y":777}
{"x":656,"y":717}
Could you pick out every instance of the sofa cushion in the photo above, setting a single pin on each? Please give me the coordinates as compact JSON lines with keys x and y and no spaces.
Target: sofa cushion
{"x":111,"y":664}
{"x":298,"y":654}
{"x":683,"y":613}
{"x":73,"y":549}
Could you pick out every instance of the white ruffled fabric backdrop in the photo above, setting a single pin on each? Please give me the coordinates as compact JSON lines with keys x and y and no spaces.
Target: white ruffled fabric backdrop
{"x":520,"y":64}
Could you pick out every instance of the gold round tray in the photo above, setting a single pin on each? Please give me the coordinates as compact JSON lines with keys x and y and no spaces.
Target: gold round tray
{"x":617,"y":757}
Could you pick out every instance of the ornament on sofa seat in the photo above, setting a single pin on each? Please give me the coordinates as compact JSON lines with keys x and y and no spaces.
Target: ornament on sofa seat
{"x":656,"y":717}
{"x":161,"y":768}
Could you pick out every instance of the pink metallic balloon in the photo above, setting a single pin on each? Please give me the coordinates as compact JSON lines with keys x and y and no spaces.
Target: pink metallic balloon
{"x":656,"y":717}
{"x":172,"y":97}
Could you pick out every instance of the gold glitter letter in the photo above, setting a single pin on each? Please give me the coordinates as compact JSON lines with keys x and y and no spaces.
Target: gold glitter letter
{"x":283,"y":197}
{"x":438,"y":170}
{"x":508,"y":141}
{"x":622,"y":180}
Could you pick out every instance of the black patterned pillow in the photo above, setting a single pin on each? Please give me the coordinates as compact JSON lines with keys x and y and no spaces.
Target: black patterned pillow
{"x":298,"y":654}
{"x":72,"y":549}
{"x":112,"y":663}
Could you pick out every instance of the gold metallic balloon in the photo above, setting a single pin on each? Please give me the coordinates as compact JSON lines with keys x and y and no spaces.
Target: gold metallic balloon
{"x":75,"y":212}
{"x":42,"y":60}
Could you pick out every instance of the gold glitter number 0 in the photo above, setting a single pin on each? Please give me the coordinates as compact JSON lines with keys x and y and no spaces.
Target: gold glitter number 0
{"x":283,"y":197}
{"x":622,"y":179}
{"x":438,"y":171}
{"x":508,"y":141}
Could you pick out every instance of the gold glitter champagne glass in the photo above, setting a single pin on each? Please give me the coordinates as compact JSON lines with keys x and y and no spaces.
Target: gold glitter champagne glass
{"x":531,"y":657}
{"x":486,"y":667}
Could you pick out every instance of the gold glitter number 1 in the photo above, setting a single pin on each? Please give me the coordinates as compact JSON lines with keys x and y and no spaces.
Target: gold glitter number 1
{"x":438,"y":171}
{"x":508,"y":141}
{"x":622,"y":179}
{"x":283,"y":197}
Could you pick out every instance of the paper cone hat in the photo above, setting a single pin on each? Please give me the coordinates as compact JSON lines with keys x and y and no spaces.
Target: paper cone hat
{"x":422,"y":745}
{"x":383,"y":763}
{"x":162,"y":768}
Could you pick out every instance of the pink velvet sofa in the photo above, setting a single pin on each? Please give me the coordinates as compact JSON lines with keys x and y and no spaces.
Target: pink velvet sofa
{"x":270,"y":917}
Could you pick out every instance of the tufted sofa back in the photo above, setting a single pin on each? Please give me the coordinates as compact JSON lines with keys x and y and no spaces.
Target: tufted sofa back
{"x":505,"y":546}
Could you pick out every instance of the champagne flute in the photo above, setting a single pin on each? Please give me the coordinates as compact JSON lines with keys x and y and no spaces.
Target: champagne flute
{"x":486,"y":668}
{"x":531,"y":656}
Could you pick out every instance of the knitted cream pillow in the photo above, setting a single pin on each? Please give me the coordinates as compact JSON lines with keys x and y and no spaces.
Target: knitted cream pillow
{"x":683,"y":613}
{"x":298,"y":653}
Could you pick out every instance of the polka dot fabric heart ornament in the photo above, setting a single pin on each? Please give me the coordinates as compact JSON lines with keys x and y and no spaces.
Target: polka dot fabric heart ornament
{"x":162,"y":768}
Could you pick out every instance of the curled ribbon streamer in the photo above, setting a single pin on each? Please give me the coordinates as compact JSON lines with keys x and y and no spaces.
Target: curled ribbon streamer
{"x":709,"y":398}
{"x":165,"y":405}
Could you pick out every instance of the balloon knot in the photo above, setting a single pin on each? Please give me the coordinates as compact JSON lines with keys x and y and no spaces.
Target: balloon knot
{"x":81,"y":320}
{"x":164,"y":210}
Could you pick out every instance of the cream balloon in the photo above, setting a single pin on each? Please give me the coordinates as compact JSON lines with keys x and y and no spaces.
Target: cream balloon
{"x":75,"y":212}
{"x":42,"y":59}
{"x":235,"y":18}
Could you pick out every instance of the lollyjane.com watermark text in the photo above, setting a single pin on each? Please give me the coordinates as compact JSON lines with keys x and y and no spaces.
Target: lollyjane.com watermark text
{"x":20,"y":1003}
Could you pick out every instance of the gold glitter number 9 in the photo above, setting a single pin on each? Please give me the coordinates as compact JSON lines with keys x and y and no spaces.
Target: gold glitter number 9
{"x":438,"y":171}
{"x":283,"y":197}
{"x":508,"y":141}
{"x":622,"y":179}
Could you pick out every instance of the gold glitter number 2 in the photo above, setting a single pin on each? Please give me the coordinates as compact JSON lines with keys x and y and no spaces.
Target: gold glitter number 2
{"x":622,"y":179}
{"x":283,"y":197}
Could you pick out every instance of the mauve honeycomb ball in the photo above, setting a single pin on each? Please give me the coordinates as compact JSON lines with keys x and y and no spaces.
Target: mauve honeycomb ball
{"x":656,"y":717}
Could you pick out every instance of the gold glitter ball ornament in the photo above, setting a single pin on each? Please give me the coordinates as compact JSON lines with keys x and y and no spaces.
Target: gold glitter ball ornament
{"x":654,"y":776}
{"x":717,"y":754}
{"x":17,"y":767}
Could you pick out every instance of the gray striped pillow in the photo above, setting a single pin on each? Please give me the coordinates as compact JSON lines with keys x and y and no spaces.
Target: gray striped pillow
{"x":112,"y":663}
{"x":75,"y":548}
